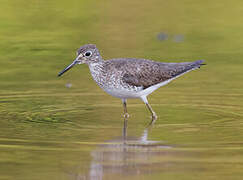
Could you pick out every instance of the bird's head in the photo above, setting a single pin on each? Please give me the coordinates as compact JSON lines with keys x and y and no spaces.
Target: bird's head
{"x":86,"y":54}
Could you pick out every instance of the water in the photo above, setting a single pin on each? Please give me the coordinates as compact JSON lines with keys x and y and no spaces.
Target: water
{"x":68,"y":128}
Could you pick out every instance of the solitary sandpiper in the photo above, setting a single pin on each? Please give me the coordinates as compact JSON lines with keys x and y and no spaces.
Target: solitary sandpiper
{"x":126,"y":78}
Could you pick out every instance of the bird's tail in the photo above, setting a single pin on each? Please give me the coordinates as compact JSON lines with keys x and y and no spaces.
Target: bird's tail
{"x":198,"y":63}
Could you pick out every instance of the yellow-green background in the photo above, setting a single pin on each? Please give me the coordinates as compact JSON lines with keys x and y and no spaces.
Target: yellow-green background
{"x":49,"y":131}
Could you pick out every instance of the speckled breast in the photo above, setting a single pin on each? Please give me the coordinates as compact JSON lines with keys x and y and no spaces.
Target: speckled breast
{"x":111,"y":82}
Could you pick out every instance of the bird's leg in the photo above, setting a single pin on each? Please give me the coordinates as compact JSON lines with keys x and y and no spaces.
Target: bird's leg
{"x":124,"y":102}
{"x":153,"y":114}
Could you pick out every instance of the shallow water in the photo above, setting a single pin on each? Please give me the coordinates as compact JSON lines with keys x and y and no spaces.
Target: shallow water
{"x":68,"y":128}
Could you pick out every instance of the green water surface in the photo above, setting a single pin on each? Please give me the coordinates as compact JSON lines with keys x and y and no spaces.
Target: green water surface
{"x":68,"y":128}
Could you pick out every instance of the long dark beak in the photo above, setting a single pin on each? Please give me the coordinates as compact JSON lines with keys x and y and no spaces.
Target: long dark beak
{"x":68,"y":67}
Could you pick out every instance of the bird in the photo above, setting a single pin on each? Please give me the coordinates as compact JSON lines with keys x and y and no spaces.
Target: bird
{"x":127,"y":78}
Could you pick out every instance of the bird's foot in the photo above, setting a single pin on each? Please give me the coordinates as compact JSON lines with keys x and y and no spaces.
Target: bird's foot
{"x":154,"y":117}
{"x":126,"y":115}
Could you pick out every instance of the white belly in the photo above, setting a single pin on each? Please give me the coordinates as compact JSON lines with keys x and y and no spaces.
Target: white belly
{"x":128,"y":94}
{"x":123,"y":94}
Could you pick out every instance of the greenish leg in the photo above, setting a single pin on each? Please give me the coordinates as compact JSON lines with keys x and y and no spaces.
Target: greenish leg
{"x":124,"y":102}
{"x":153,"y":114}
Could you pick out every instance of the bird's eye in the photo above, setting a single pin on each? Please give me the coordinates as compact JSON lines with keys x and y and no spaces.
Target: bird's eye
{"x":88,"y":53}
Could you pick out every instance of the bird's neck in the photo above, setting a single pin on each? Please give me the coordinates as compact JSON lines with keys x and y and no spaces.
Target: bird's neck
{"x":96,"y":66}
{"x":97,"y":71}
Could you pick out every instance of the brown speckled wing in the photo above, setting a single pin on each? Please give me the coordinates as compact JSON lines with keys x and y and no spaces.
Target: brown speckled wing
{"x":148,"y":73}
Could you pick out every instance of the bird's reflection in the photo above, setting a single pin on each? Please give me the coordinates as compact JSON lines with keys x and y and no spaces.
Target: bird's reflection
{"x":143,"y":140}
{"x":125,"y":156}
